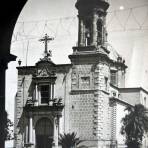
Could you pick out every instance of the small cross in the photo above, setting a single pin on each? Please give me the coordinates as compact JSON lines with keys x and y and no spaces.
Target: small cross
{"x":46,"y":39}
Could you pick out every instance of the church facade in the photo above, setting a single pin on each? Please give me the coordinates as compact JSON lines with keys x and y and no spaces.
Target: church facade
{"x":87,"y":96}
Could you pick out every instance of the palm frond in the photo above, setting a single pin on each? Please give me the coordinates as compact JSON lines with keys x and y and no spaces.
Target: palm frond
{"x":68,"y":140}
{"x":134,"y":124}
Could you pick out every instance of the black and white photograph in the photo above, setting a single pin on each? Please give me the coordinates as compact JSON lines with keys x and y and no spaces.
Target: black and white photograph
{"x":74,"y":74}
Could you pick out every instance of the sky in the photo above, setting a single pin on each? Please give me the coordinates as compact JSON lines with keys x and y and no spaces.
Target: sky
{"x":127,"y":25}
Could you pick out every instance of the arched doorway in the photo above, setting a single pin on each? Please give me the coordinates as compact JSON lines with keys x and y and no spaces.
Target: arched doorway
{"x":44,"y":133}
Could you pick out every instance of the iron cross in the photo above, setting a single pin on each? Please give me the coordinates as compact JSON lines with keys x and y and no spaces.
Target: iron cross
{"x":46,"y":39}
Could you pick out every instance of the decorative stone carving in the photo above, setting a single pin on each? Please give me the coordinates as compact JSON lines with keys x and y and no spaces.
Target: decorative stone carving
{"x":85,"y":82}
{"x":74,"y":81}
{"x":43,"y":73}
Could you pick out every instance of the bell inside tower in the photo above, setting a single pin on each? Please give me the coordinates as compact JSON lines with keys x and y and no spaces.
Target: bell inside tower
{"x":87,"y":32}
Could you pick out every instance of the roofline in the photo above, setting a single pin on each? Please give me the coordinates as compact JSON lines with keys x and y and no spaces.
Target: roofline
{"x":24,"y":67}
{"x":134,"y":88}
{"x":114,"y":86}
{"x":29,"y":67}
{"x":63,"y":65}
{"x":119,"y":63}
{"x":121,"y":101}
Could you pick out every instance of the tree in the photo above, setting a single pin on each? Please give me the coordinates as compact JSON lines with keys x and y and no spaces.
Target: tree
{"x":69,"y":140}
{"x":134,"y":125}
{"x":8,"y":125}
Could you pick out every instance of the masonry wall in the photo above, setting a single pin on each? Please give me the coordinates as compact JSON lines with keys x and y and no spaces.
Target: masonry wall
{"x":62,"y":89}
{"x":120,"y":113}
{"x":131,"y":97}
{"x":144,"y":98}
{"x":24,"y":82}
{"x":81,"y":115}
{"x":121,"y":78}
{"x":82,"y":102}
{"x":90,"y":113}
{"x":25,"y":91}
{"x":103,"y":119}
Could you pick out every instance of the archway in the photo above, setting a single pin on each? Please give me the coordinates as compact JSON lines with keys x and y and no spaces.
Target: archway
{"x":44,"y":133}
{"x":8,"y":13}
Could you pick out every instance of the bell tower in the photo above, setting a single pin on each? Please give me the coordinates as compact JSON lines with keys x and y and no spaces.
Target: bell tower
{"x":90,"y":75}
{"x":92,"y":22}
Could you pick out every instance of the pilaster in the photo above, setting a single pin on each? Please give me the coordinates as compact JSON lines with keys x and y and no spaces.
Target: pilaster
{"x":113,"y":123}
{"x":56,"y":129}
{"x":29,"y":133}
{"x":94,"y":26}
{"x":81,"y":32}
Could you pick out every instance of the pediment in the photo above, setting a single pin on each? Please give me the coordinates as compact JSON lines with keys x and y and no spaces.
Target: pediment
{"x":44,"y":72}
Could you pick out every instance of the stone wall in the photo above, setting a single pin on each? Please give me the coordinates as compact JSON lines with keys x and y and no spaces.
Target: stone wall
{"x":90,"y":113}
{"x":144,"y":98}
{"x":81,"y":114}
{"x":24,"y":82}
{"x":120,"y":113}
{"x":25,"y":91}
{"x":82,"y":101}
{"x":62,"y":89}
{"x":130,"y":96}
{"x":102,"y":109}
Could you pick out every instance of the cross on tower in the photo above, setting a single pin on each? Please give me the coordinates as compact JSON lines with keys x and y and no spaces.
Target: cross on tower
{"x":46,"y":39}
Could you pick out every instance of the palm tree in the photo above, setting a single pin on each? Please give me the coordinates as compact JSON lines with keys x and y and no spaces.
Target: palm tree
{"x":69,"y":140}
{"x":134,"y":125}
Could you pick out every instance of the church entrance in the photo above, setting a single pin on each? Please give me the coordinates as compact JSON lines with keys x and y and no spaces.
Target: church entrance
{"x":44,"y":133}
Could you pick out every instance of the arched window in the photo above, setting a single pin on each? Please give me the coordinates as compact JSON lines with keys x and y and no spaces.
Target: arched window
{"x":88,"y":28}
{"x":100,"y":32}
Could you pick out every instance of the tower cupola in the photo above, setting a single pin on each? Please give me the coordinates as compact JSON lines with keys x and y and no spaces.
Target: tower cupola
{"x":92,"y":22}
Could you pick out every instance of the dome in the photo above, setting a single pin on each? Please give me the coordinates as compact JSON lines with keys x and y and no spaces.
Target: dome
{"x":102,"y":3}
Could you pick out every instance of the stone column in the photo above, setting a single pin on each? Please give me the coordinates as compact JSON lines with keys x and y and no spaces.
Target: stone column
{"x":34,"y":137}
{"x":104,"y":32}
{"x":52,"y":91}
{"x":26,"y":134}
{"x":30,"y":134}
{"x":95,"y":31}
{"x":36,"y":95}
{"x":55,"y":134}
{"x":30,"y":130}
{"x":81,"y":32}
{"x":39,"y":95}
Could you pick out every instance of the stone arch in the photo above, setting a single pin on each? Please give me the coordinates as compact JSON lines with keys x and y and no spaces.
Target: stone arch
{"x":9,"y":13}
{"x":44,"y":133}
{"x":40,"y":117}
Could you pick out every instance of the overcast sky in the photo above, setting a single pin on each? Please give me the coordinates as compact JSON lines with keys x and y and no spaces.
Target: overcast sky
{"x":130,"y":43}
